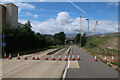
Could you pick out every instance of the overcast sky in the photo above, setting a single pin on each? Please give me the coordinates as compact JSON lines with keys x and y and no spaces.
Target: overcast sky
{"x":54,"y":17}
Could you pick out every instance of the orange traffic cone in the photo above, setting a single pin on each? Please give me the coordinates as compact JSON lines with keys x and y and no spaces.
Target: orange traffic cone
{"x":10,"y":57}
{"x":112,"y":57}
{"x":73,"y":57}
{"x":37,"y":56}
{"x":65,"y":57}
{"x":105,"y":59}
{"x":53,"y":57}
{"x":18,"y":57}
{"x":25,"y":57}
{"x":46,"y":57}
{"x":78,"y":57}
{"x":90,"y":52}
{"x":95,"y":58}
{"x":60,"y":57}
{"x":33,"y":58}
{"x":4,"y":54}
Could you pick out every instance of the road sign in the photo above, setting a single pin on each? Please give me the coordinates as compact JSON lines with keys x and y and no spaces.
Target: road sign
{"x":3,"y":36}
{"x":3,"y":44}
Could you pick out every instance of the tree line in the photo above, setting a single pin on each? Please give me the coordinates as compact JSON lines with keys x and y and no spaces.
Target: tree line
{"x":23,"y":38}
{"x":81,"y":39}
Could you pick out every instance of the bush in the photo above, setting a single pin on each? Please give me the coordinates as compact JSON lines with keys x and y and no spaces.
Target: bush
{"x":23,"y":38}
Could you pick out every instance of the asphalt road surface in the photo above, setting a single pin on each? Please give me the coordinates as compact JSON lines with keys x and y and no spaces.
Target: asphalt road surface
{"x":88,"y":69}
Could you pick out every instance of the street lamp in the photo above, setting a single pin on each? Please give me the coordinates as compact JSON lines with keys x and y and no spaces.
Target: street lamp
{"x":80,"y":28}
{"x":88,"y":32}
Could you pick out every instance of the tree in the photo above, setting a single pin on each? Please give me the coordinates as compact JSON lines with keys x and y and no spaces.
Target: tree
{"x":77,"y":38}
{"x":83,"y":39}
{"x":60,"y":38}
{"x":28,"y":25}
{"x":23,"y":38}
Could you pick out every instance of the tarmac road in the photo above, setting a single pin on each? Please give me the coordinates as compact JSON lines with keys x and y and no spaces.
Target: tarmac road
{"x":88,"y":69}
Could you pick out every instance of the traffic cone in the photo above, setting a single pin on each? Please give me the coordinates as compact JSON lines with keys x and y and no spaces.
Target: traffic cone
{"x":95,"y":58}
{"x":53,"y":57}
{"x":33,"y":58}
{"x":25,"y":57}
{"x":37,"y":56}
{"x":112,"y":57}
{"x":60,"y":57}
{"x":4,"y":54}
{"x":46,"y":57}
{"x":10,"y":57}
{"x":65,"y":57}
{"x":73,"y":57}
{"x":78,"y":57}
{"x":90,"y":52}
{"x":105,"y":59}
{"x":18,"y":57}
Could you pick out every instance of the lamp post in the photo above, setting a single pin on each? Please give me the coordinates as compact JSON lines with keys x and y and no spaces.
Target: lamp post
{"x":80,"y":28}
{"x":88,"y":32}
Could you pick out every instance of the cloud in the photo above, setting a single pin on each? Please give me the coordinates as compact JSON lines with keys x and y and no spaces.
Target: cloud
{"x":23,"y":21}
{"x":25,"y":6}
{"x":22,"y":6}
{"x":30,"y":14}
{"x":42,"y":0}
{"x":64,"y":18}
{"x":35,"y":16}
{"x":64,"y":22}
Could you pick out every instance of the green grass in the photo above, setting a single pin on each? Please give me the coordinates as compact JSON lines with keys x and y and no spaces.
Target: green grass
{"x":99,"y":40}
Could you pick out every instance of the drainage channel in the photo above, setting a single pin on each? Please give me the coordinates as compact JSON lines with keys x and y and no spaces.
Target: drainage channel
{"x":54,"y":51}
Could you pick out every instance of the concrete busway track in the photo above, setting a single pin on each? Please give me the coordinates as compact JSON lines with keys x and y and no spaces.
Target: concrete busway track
{"x":87,"y":68}
{"x":9,"y":65}
{"x":36,"y":68}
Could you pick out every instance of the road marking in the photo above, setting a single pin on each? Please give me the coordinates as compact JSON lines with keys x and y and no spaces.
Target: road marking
{"x":67,"y":66}
{"x":74,"y":64}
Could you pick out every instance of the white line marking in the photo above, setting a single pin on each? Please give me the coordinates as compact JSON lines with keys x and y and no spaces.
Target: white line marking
{"x":67,"y":66}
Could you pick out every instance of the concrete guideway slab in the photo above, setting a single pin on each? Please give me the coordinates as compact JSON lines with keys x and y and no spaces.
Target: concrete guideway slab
{"x":36,"y":68}
{"x":13,"y":64}
{"x":39,"y":69}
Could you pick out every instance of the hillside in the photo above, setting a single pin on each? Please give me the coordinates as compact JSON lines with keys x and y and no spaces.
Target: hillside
{"x":102,"y":46}
{"x":105,"y":42}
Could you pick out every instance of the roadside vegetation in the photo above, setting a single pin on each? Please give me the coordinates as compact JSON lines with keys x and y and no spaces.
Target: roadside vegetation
{"x":103,"y":46}
{"x":23,"y":39}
